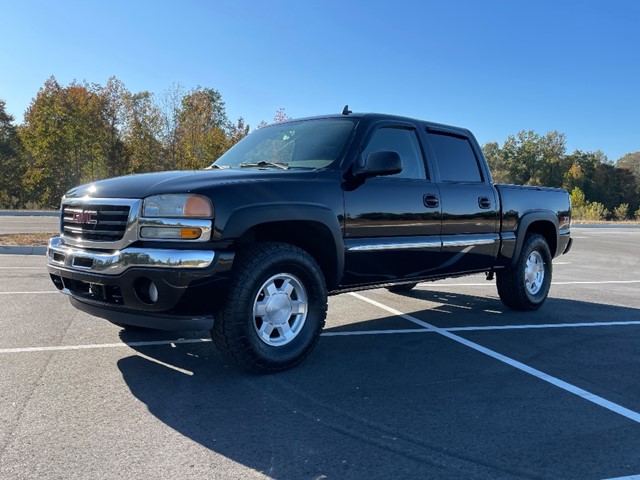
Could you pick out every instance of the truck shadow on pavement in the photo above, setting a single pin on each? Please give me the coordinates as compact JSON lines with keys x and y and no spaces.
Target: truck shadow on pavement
{"x":387,"y":406}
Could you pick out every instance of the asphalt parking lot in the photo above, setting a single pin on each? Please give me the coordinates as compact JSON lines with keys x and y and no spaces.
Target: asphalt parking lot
{"x":443,"y":382}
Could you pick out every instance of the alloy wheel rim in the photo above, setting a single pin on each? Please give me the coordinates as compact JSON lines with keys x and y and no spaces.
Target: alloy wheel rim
{"x":534,"y":273}
{"x":280,"y":310}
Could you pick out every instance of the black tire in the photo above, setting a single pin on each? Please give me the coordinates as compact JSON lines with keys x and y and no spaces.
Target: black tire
{"x":407,"y":287}
{"x":280,"y":280}
{"x":520,"y":287}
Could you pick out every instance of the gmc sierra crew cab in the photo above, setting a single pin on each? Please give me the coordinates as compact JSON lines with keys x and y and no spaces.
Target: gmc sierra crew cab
{"x":250,"y":247}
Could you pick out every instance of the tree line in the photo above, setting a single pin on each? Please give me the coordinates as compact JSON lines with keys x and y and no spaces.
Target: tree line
{"x":600,"y":189}
{"x":84,"y":132}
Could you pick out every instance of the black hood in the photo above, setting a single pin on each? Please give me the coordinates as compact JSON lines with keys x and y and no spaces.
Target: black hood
{"x":179,"y":181}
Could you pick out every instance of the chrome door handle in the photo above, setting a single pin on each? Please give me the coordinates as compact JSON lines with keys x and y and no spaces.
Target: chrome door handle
{"x":431,"y":201}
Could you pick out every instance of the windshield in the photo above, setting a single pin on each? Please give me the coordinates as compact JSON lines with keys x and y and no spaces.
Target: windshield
{"x":306,"y":144}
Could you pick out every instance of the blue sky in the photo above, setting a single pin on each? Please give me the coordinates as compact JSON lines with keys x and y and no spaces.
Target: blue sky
{"x":493,"y":66}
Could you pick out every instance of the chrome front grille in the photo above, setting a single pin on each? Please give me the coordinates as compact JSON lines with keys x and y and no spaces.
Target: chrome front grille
{"x":96,"y":223}
{"x":100,"y":223}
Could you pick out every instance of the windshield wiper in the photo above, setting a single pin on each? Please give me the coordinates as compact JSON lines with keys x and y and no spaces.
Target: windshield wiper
{"x":262,"y":163}
{"x":221,"y":167}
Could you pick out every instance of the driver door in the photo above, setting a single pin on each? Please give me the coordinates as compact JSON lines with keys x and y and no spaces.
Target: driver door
{"x":392,"y":224}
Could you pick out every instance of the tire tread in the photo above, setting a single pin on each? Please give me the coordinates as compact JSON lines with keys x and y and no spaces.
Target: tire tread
{"x":229,"y":323}
{"x":511,"y":289}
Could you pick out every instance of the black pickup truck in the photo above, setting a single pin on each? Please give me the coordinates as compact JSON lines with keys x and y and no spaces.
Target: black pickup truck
{"x":250,"y":247}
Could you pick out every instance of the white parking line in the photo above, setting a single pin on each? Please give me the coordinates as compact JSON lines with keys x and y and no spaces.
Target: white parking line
{"x":349,"y":333}
{"x":29,"y":293}
{"x":165,"y":364}
{"x":491,"y":284}
{"x":23,"y":268}
{"x":104,"y":345}
{"x":542,"y":325}
{"x":115,"y":345}
{"x":94,"y":346}
{"x":374,"y":332}
{"x":630,"y":477}
{"x":590,"y":397}
{"x":616,"y":232}
{"x":602,"y":282}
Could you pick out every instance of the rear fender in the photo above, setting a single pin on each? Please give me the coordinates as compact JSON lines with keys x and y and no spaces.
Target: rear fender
{"x":524,"y":225}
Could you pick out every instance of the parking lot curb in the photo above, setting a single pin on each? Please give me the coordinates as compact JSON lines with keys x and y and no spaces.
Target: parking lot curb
{"x":21,"y":250}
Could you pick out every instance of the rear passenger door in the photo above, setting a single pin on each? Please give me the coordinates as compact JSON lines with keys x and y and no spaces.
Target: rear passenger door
{"x":470,"y":204}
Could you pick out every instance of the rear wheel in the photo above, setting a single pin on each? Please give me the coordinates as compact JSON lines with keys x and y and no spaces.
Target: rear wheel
{"x":525,"y":285}
{"x":275,"y":308}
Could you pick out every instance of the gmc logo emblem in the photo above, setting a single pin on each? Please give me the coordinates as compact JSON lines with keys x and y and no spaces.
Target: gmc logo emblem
{"x":85,"y":217}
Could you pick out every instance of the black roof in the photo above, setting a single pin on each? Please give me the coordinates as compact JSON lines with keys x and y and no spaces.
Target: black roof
{"x":385,"y":116}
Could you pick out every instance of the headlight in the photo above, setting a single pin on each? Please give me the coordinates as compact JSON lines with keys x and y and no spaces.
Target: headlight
{"x":194,"y":206}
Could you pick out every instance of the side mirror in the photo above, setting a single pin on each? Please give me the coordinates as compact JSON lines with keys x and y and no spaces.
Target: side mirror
{"x":378,"y":164}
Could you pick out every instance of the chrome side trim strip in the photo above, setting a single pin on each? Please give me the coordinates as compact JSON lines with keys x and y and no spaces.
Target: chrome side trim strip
{"x":470,"y":240}
{"x":393,"y":246}
{"x":63,"y":256}
{"x":414,"y":244}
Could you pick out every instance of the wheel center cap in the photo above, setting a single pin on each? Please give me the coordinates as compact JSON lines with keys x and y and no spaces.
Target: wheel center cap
{"x":279,"y":309}
{"x":530,"y":275}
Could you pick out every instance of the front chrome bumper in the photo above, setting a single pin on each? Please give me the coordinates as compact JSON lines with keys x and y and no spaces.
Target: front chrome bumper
{"x":65,"y":256}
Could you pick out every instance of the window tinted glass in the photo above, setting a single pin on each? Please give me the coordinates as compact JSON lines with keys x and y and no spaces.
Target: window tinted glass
{"x":405,"y":143}
{"x":455,"y":158}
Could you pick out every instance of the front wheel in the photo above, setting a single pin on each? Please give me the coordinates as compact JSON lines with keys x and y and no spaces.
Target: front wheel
{"x":275,"y":309}
{"x":525,"y":285}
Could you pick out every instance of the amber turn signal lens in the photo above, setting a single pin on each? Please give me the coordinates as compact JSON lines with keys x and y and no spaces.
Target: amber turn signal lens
{"x":197,"y":206}
{"x":190,"y":233}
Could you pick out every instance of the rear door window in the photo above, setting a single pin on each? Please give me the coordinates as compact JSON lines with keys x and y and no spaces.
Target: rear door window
{"x":455,"y":158}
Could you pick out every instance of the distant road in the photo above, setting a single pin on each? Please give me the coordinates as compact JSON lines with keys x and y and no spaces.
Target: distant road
{"x":11,"y":222}
{"x":29,"y":213}
{"x":605,"y":225}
